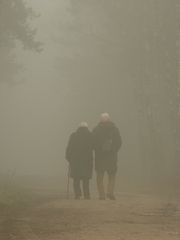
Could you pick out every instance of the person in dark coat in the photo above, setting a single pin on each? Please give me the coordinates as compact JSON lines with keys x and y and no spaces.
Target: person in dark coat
{"x":79,"y":154}
{"x":107,"y":142}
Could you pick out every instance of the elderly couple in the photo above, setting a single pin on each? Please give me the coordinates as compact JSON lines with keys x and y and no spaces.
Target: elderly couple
{"x":105,"y":142}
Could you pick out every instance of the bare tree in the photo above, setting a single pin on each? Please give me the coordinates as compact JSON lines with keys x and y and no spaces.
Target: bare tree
{"x":135,"y":40}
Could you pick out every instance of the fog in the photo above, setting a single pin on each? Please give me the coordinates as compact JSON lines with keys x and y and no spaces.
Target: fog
{"x":118,"y":57}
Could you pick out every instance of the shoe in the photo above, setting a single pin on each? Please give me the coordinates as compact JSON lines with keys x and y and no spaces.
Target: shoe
{"x":111,"y":196}
{"x":87,"y":197}
{"x":102,"y":198}
{"x":77,"y":197}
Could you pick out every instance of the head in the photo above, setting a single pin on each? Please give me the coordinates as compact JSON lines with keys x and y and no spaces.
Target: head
{"x":105,"y":118}
{"x":83,"y":124}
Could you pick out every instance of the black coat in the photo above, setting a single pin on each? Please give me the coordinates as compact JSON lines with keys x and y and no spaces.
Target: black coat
{"x":106,"y":159}
{"x":79,"y":153}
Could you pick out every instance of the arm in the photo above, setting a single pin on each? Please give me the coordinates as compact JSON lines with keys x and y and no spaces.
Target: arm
{"x":117,"y":140}
{"x":68,"y":153}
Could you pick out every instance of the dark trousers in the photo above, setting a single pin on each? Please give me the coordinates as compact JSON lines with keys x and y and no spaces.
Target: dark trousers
{"x":100,"y":184}
{"x":77,"y":187}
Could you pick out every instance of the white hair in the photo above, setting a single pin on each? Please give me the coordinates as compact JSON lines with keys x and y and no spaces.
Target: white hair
{"x":105,"y":117}
{"x":84,"y":124}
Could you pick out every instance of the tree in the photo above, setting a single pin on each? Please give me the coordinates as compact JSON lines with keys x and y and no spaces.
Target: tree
{"x":14,"y":26}
{"x":137,"y":40}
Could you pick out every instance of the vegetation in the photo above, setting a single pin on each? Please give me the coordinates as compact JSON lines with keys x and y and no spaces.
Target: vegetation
{"x":14,"y":27}
{"x":110,"y":46}
{"x":12,"y":195}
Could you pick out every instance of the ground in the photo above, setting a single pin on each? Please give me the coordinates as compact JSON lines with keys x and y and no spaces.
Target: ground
{"x":130,"y":217}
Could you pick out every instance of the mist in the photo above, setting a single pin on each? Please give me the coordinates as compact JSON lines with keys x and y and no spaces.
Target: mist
{"x":95,"y":57}
{"x":62,"y":64}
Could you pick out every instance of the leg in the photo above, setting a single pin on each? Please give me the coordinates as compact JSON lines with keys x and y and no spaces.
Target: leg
{"x":77,"y":188}
{"x":111,"y":185}
{"x":100,"y":185}
{"x":86,"y":188}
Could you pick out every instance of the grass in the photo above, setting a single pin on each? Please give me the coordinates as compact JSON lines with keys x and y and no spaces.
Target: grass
{"x":12,"y":195}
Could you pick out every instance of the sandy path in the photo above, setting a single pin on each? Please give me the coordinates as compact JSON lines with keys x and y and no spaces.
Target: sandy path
{"x":131,"y":217}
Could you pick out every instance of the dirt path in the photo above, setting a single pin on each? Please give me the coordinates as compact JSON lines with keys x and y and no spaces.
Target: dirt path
{"x":131,"y":217}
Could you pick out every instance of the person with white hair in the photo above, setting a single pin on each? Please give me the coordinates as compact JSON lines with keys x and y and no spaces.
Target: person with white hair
{"x":107,"y":142}
{"x":79,"y":154}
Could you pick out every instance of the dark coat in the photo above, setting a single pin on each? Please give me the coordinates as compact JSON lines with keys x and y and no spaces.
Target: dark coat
{"x":79,"y":153}
{"x":106,"y":160}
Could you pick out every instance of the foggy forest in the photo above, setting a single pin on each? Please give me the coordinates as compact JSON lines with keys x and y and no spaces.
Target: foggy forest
{"x":63,"y":63}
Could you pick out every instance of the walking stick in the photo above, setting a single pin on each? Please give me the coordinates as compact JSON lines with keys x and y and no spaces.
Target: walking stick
{"x":68,"y":183}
